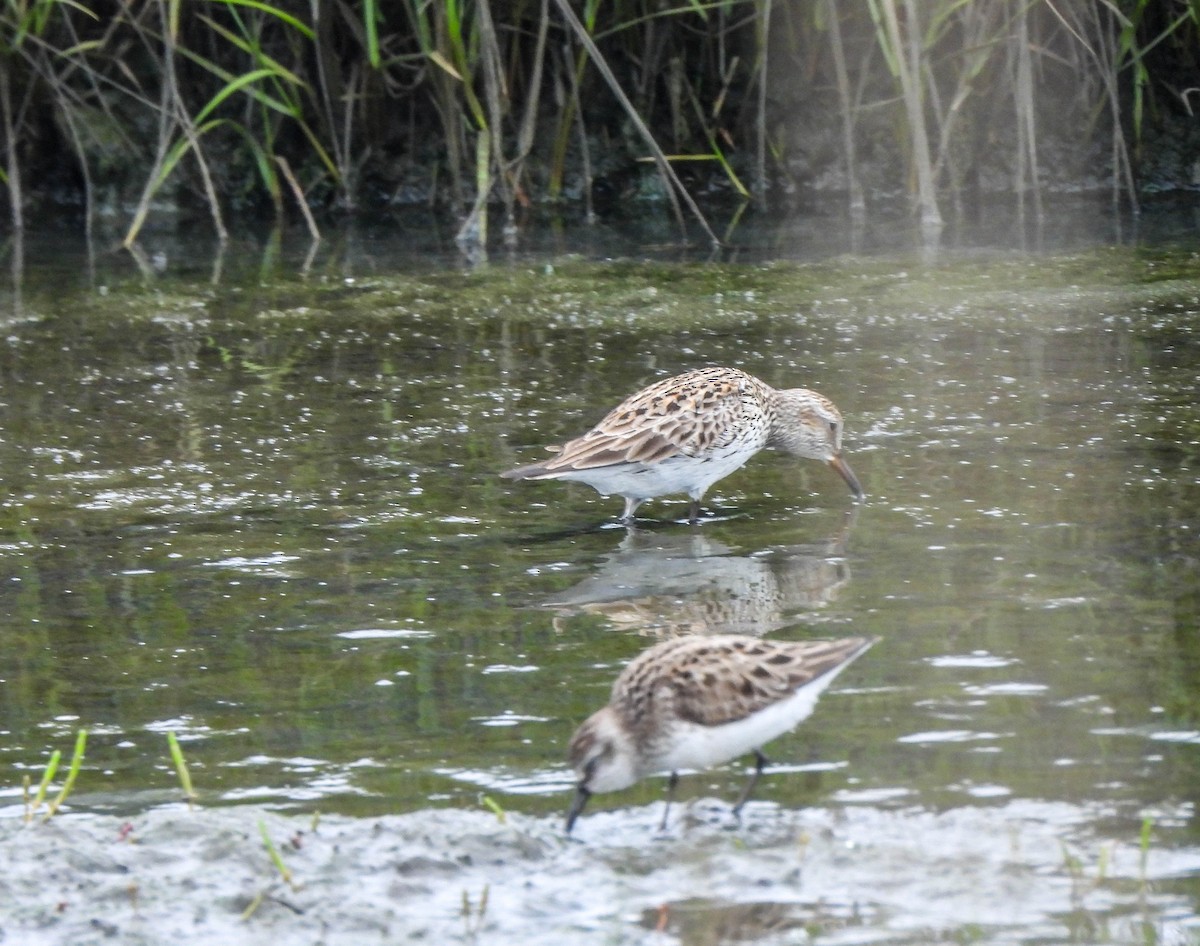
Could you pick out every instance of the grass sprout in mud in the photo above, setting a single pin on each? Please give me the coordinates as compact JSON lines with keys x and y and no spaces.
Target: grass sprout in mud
{"x":181,"y":768}
{"x":33,"y":805}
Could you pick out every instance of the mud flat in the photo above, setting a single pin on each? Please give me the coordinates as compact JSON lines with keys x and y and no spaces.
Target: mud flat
{"x":1021,"y":870}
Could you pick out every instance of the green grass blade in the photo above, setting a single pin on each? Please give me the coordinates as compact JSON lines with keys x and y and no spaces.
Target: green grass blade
{"x":283,"y":16}
{"x":47,"y":777}
{"x":494,"y":807}
{"x":236,"y":85}
{"x":371,"y":24}
{"x":178,"y":150}
{"x":280,"y":866}
{"x":256,"y":92}
{"x":181,"y":769}
{"x":255,"y":50}
{"x":72,"y":774}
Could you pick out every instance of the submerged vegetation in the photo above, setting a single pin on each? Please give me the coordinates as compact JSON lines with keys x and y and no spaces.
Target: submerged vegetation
{"x":247,"y":104}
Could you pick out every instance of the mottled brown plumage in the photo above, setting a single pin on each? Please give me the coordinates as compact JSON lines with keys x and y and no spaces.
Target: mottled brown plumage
{"x":682,"y":434}
{"x":694,"y":702}
{"x":721,"y":679}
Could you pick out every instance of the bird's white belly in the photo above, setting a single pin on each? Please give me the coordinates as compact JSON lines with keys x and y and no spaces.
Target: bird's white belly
{"x":698,"y":747}
{"x":691,"y":475}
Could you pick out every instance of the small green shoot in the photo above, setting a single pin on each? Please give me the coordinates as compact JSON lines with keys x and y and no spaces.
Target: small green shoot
{"x":47,"y":777}
{"x":494,"y":807}
{"x":276,"y":859}
{"x":68,"y":783}
{"x":280,"y":866}
{"x":181,"y":769}
{"x":253,"y":905}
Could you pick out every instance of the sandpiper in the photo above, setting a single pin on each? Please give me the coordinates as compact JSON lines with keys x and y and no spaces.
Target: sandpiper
{"x":682,"y":434}
{"x":695,"y":702}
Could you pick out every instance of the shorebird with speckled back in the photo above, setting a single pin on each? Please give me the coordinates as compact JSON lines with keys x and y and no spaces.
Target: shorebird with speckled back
{"x":695,"y":702}
{"x":682,"y":434}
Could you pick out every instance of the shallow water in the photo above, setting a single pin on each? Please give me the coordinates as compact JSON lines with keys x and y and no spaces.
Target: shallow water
{"x":257,"y":505}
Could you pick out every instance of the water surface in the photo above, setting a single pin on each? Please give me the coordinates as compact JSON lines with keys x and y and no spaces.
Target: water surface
{"x":261,"y":509}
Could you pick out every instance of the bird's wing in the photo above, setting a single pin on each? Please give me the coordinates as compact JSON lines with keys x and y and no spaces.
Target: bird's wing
{"x":686,"y":415}
{"x":734,"y":677}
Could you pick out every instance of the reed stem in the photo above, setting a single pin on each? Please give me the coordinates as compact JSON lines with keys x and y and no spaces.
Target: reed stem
{"x":340,"y":100}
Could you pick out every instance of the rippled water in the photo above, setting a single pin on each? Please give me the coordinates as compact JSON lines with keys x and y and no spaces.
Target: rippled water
{"x":262,"y":511}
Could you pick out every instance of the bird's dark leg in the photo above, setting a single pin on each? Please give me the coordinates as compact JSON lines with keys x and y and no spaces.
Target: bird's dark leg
{"x":760,"y":760}
{"x":694,"y":512}
{"x":671,"y":783}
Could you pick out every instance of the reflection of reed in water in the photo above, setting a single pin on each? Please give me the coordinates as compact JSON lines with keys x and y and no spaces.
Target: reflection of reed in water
{"x":676,"y":583}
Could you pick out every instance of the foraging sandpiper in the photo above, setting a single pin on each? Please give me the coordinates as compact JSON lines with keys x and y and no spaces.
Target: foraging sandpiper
{"x":682,"y":434}
{"x":695,"y":702}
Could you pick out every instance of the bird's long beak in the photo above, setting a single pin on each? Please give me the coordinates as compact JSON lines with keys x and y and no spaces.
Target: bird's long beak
{"x":581,"y":798}
{"x":844,"y":471}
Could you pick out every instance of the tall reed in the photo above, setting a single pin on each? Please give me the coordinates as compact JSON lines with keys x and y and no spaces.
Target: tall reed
{"x":233,"y":105}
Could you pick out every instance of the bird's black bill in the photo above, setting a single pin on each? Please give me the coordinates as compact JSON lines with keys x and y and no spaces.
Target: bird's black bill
{"x":577,"y":804}
{"x":844,"y":471}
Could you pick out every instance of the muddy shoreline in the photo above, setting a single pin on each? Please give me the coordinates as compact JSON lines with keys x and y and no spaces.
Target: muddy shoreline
{"x":853,"y":874}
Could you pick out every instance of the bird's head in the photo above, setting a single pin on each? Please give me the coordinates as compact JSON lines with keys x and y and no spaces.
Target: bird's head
{"x":809,"y":425}
{"x":602,"y":755}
